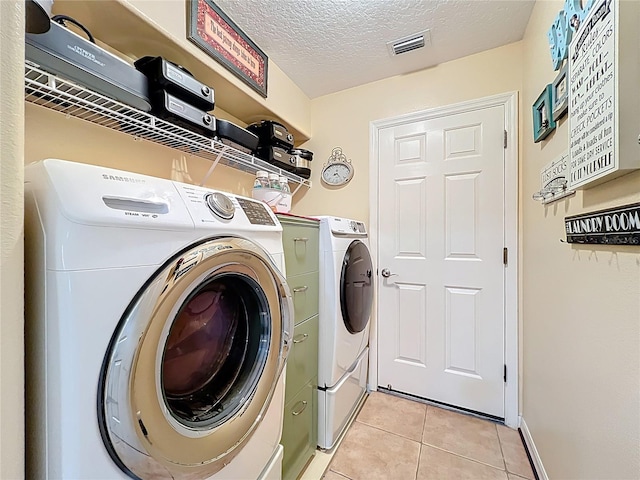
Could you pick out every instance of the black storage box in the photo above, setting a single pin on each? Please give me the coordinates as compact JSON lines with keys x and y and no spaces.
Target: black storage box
{"x":277,"y":157}
{"x":164,"y":75}
{"x":272,"y":134}
{"x":235,"y":136}
{"x":176,"y":111}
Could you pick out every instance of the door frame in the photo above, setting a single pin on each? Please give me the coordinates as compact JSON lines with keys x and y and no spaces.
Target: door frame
{"x":511,"y":336}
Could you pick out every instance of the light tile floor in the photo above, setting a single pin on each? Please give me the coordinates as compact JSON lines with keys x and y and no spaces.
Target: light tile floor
{"x":395,"y":438}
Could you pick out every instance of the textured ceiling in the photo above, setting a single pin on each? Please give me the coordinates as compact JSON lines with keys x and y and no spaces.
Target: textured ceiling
{"x":328,"y":45}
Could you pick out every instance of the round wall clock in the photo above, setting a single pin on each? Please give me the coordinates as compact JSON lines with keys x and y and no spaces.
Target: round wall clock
{"x":338,"y":170}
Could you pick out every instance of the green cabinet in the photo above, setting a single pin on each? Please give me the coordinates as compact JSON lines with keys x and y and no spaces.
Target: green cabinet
{"x":301,"y":245}
{"x":302,"y":364}
{"x":299,"y":432}
{"x":304,"y":290}
{"x":300,"y":429}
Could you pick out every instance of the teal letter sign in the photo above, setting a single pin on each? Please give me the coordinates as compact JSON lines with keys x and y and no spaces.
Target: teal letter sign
{"x":565,"y":24}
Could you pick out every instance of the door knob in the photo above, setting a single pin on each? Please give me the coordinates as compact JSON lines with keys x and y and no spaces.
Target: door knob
{"x":386,"y":273}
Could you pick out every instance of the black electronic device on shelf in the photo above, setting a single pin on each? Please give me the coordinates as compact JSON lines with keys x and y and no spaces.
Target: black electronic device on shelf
{"x":273,"y":134}
{"x":63,"y":52}
{"x":177,"y":81}
{"x":235,"y":136}
{"x":174,"y":110}
{"x":301,"y":159}
{"x":276,"y":156}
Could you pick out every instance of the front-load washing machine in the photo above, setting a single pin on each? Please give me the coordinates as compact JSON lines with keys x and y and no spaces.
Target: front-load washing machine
{"x":158,"y":324}
{"x":346,"y":300}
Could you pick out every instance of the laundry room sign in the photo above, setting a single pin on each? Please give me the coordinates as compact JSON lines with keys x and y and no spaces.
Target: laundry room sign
{"x":615,"y":226}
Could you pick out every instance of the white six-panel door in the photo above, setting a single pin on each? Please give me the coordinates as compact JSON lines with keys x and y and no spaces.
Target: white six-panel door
{"x":441,"y":233}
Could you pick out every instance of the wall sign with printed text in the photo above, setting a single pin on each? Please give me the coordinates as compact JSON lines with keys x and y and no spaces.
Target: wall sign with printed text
{"x":592,"y":94}
{"x":215,"y":33}
{"x":603,"y":75}
{"x":614,"y":226}
{"x":554,"y":178}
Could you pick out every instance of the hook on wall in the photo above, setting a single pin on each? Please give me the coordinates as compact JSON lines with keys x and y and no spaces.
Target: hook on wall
{"x":552,"y":190}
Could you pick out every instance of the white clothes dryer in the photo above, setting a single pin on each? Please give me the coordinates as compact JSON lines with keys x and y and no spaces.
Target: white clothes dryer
{"x":346,"y":300}
{"x":157,"y":327}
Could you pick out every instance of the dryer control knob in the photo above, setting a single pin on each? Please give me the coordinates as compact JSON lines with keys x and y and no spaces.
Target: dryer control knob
{"x":220,"y":205}
{"x":353,"y":226}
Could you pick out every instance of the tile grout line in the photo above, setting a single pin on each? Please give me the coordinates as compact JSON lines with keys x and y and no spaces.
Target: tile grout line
{"x":526,"y":453}
{"x":504,"y":462}
{"x":341,"y":475}
{"x":394,"y":433}
{"x":418,"y":464}
{"x":504,"y":469}
{"x":424,"y":423}
{"x":386,"y":431}
{"x":467,"y":458}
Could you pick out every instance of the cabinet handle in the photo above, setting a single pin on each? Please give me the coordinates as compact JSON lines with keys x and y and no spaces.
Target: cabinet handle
{"x":304,"y":288}
{"x":300,"y":338}
{"x":301,"y":239}
{"x":304,"y":405}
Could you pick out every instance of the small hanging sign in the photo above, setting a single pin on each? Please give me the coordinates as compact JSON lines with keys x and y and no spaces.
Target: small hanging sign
{"x":554,"y":178}
{"x":614,"y":226}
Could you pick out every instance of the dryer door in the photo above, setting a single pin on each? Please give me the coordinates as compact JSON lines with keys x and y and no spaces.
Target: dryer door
{"x":356,"y":287}
{"x":195,"y":360}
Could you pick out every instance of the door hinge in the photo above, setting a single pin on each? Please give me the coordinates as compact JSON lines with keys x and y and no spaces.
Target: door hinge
{"x":505,"y":255}
{"x":505,"y":139}
{"x":505,"y":374}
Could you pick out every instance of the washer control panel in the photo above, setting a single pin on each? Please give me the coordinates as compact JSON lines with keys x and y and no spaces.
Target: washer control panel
{"x":210,"y":207}
{"x":346,"y":227}
{"x":256,"y":212}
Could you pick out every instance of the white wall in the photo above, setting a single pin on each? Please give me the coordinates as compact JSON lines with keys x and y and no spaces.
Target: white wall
{"x":581,"y":309}
{"x":11,"y":240}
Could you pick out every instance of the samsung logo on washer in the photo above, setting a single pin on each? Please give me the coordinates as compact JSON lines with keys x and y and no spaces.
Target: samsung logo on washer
{"x":119,"y":178}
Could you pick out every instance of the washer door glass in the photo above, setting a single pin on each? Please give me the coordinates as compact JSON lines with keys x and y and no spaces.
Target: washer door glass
{"x":195,"y":360}
{"x":216,"y":350}
{"x":356,"y":287}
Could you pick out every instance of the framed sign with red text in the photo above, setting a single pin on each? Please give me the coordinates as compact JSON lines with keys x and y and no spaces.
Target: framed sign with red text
{"x":215,"y":33}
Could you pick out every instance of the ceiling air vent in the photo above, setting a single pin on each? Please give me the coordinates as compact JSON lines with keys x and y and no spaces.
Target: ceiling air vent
{"x":409,"y":43}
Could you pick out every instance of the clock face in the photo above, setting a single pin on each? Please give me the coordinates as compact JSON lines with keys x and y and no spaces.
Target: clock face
{"x":337,"y":173}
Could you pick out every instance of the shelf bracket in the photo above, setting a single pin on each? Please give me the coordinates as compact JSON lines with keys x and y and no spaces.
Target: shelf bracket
{"x":213,"y":165}
{"x":296,"y":189}
{"x":51,"y":82}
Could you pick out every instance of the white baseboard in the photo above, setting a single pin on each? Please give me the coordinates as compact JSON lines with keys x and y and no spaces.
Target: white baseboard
{"x":533,"y":451}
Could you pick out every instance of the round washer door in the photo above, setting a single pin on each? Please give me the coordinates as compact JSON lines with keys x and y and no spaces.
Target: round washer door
{"x":195,"y":360}
{"x":356,"y":287}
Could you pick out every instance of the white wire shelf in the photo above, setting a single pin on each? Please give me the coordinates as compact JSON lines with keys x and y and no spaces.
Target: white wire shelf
{"x":48,"y":90}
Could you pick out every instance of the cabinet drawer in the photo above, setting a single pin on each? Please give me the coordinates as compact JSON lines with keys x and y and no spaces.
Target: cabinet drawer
{"x":299,"y":432}
{"x":302,"y":364}
{"x":301,"y":248}
{"x":304,"y":290}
